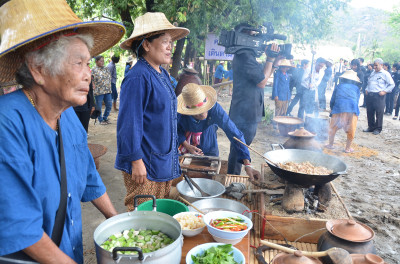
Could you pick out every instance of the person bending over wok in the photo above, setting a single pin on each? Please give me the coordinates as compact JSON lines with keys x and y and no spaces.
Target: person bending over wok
{"x":43,"y":142}
{"x":198,"y":120}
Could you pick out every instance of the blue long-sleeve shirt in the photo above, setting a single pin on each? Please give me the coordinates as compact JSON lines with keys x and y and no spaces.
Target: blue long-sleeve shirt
{"x":219,"y":72}
{"x":345,"y":99}
{"x":147,"y":123}
{"x":281,"y":86}
{"x":216,"y":117}
{"x":30,"y":177}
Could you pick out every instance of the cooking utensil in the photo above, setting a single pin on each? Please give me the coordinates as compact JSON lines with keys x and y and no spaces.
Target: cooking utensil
{"x":214,"y":188}
{"x":140,"y":220}
{"x":332,"y":256}
{"x":295,"y":258}
{"x":255,"y":151}
{"x":218,"y":204}
{"x":189,"y":182}
{"x":203,"y":193}
{"x":190,"y":204}
{"x":299,"y":156}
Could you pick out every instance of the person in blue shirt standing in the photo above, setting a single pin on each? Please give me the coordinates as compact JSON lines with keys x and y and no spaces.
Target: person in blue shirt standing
{"x":344,"y":108}
{"x":147,"y":150}
{"x":113,"y":70}
{"x":45,"y":164}
{"x":198,"y":120}
{"x":281,"y":89}
{"x":128,"y":65}
{"x":219,"y":73}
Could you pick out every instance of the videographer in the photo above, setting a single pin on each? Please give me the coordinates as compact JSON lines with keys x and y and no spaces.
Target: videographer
{"x":247,"y":105}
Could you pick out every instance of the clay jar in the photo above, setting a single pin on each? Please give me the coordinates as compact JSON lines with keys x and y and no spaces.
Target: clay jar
{"x":350,"y":235}
{"x":366,"y":259}
{"x":302,"y":139}
{"x":295,"y":258}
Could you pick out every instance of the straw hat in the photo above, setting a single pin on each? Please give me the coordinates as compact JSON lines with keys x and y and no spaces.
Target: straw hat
{"x":350,"y":75}
{"x":129,"y":60}
{"x":196,"y":99}
{"x":27,"y":24}
{"x":285,"y":63}
{"x":153,"y":23}
{"x":330,"y":61}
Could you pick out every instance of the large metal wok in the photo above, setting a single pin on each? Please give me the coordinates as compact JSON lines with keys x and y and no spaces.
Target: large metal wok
{"x":300,"y":155}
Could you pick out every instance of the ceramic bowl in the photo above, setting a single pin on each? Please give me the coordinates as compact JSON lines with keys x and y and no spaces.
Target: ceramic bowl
{"x":227,"y":241}
{"x":191,"y":232}
{"x":226,"y":234}
{"x":237,"y":254}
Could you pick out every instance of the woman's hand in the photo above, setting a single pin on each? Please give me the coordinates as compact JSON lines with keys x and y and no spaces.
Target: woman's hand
{"x":252,"y":173}
{"x":139,"y":172}
{"x":192,"y":149}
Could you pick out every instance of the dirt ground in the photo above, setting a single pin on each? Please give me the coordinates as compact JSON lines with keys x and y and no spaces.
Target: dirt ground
{"x":371,"y":190}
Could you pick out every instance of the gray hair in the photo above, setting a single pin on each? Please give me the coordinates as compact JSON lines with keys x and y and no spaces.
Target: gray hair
{"x":50,"y":57}
{"x":378,"y":60}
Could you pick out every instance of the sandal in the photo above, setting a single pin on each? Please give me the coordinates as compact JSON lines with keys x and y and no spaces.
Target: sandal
{"x":395,"y":117}
{"x":329,"y":146}
{"x":350,"y":150}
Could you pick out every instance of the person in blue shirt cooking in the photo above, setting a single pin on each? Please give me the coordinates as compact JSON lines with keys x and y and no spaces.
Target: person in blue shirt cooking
{"x":45,"y":164}
{"x":198,"y":120}
{"x":147,"y":151}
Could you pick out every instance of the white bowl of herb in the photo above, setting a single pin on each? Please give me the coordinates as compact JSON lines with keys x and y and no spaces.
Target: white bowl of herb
{"x":211,"y":253}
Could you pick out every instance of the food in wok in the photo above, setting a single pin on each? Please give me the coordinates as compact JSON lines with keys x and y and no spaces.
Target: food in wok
{"x":305,"y":168}
{"x":146,"y":240}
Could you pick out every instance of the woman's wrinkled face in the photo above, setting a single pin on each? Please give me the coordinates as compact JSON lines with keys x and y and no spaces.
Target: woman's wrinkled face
{"x":72,"y":86}
{"x":159,"y":50}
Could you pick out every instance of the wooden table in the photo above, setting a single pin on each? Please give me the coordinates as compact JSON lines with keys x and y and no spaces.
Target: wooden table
{"x":205,"y":237}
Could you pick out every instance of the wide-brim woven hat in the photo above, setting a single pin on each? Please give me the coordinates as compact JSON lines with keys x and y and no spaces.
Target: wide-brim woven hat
{"x":285,"y":63}
{"x":196,"y":99}
{"x":130,"y":59}
{"x":350,"y":75}
{"x":26,"y":25}
{"x":151,"y":24}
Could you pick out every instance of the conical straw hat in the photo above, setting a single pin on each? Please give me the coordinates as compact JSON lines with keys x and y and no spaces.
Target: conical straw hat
{"x":153,"y":23}
{"x":196,"y":99}
{"x":27,"y":24}
{"x":285,"y":63}
{"x":350,"y":75}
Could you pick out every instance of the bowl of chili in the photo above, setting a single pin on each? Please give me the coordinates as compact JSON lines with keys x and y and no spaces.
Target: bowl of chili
{"x":227,"y":225}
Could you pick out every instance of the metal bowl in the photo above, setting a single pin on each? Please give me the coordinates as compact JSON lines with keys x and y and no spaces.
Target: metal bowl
{"x":214,"y":188}
{"x":221,"y":204}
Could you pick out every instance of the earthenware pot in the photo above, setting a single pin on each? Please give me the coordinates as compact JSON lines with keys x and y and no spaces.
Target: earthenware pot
{"x":366,"y":259}
{"x":350,"y":235}
{"x":302,"y":139}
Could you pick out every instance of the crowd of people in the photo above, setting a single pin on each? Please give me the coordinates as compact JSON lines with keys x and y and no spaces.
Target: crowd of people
{"x":44,"y":155}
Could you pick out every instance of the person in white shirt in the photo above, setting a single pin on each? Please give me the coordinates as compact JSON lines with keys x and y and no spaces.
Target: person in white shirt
{"x":310,"y":81}
{"x":379,"y":84}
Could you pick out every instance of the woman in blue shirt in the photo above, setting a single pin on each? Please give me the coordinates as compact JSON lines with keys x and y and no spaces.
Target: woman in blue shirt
{"x":344,"y":108}
{"x":198,"y":120}
{"x":38,"y":127}
{"x":147,"y":151}
{"x":280,"y":89}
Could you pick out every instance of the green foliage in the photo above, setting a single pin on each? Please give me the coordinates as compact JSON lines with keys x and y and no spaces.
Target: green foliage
{"x":390,"y":51}
{"x":269,"y":115}
{"x":219,"y":254}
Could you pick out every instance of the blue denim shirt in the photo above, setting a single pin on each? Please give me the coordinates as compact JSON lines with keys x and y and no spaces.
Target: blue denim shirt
{"x":219,"y":72}
{"x":30,"y":177}
{"x":345,"y":99}
{"x":281,"y":86}
{"x":216,"y":117}
{"x":146,"y":126}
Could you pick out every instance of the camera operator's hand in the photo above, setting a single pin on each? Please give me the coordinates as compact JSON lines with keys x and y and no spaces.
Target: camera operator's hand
{"x":272,"y":51}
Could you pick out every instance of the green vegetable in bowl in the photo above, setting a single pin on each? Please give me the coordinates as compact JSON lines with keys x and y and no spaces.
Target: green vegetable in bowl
{"x":220,"y":254}
{"x":147,"y":240}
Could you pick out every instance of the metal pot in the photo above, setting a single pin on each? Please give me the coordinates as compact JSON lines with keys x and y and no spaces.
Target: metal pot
{"x":221,"y":204}
{"x":140,"y":220}
{"x":299,"y":156}
{"x":214,"y":188}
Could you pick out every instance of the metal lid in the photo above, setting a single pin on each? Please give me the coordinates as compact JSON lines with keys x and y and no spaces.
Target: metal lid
{"x":366,"y":259}
{"x":301,"y":132}
{"x":295,"y":258}
{"x":350,"y":230}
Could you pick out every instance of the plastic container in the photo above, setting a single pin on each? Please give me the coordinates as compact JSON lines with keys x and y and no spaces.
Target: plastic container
{"x":167,"y":206}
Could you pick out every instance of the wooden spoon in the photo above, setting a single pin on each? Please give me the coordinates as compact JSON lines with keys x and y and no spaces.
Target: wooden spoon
{"x":255,"y":151}
{"x":333,"y":255}
{"x":188,"y":203}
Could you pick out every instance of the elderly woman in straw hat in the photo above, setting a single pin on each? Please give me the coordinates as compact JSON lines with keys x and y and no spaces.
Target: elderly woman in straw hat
{"x":46,"y":166}
{"x":281,"y":89}
{"x":344,"y":108}
{"x":147,"y":152}
{"x":199,"y":118}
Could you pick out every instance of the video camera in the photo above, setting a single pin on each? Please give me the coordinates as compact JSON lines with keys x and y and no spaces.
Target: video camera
{"x":239,"y":39}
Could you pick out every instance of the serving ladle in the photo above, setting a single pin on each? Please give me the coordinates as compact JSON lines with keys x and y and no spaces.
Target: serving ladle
{"x":255,"y":151}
